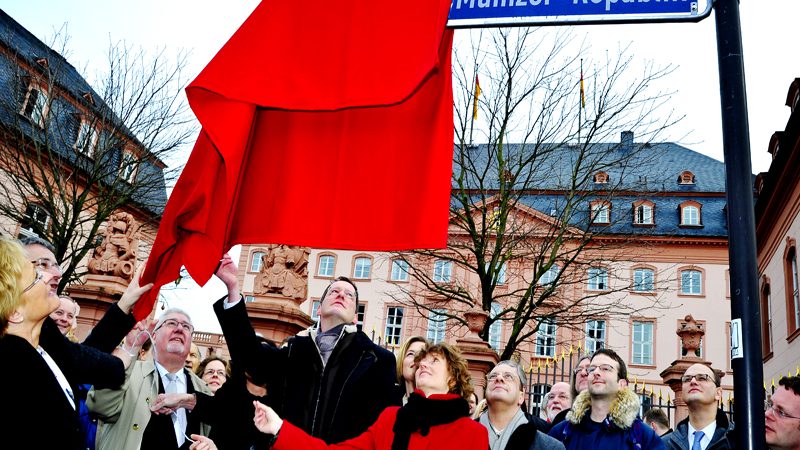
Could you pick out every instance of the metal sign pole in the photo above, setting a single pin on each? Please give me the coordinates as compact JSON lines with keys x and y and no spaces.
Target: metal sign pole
{"x":746,"y":359}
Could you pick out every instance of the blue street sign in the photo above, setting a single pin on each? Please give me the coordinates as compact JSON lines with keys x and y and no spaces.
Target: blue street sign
{"x":481,"y":13}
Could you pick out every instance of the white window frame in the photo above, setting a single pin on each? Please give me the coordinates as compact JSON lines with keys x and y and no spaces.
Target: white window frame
{"x":86,"y":141}
{"x":39,"y":216}
{"x":394,"y":325}
{"x":437,"y":324}
{"x":595,"y":335}
{"x":39,"y":110}
{"x":315,"y":310}
{"x":361,"y":312}
{"x":442,"y":271}
{"x":546,"y":338}
{"x":690,"y":215}
{"x":399,"y":270}
{"x":640,"y":281}
{"x":601,"y":212}
{"x":643,"y":215}
{"x":362,"y":268}
{"x":549,"y":276}
{"x":692,"y":287}
{"x":597,"y":279}
{"x":641,"y":346}
{"x":496,"y":328}
{"x":255,"y":261}
{"x":325,"y":269}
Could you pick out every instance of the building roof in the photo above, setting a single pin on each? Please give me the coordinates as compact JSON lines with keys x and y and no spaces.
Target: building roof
{"x":635,"y":171}
{"x":63,"y":114}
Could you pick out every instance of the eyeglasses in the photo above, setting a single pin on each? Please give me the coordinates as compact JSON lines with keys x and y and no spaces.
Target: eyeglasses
{"x":220,"y":373}
{"x":579,"y":369}
{"x":605,"y":368}
{"x":350,"y":295}
{"x":768,"y":405}
{"x":700,"y":377}
{"x":171,"y":324}
{"x":508,"y":377}
{"x":39,"y":276}
{"x":46,"y":264}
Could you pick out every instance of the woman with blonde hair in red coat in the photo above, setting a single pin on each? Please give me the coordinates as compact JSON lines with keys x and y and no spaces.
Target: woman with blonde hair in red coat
{"x":435,"y":417}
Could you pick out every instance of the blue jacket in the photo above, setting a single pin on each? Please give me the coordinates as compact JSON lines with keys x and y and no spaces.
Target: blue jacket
{"x":723,"y":438}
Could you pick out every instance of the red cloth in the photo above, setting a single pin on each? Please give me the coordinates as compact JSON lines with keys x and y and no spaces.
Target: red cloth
{"x":462,"y":434}
{"x":325,"y":124}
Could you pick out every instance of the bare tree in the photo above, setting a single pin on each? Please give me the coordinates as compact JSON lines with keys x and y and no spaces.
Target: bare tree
{"x":531,"y":224}
{"x":71,"y":154}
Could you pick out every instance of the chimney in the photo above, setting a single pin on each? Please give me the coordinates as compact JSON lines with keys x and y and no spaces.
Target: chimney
{"x":626,"y":138}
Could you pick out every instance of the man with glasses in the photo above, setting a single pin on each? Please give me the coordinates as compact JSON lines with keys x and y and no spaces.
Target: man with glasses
{"x":334,"y":382}
{"x":509,"y":427}
{"x":578,"y":382}
{"x":605,"y":416}
{"x":782,"y":415}
{"x":558,"y":399}
{"x":126,"y":421}
{"x":707,"y":427}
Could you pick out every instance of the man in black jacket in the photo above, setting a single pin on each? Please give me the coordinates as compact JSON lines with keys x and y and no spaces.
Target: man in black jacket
{"x":707,"y":427}
{"x":332,"y":383}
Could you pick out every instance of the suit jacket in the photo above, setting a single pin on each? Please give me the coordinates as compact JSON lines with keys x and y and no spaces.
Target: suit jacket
{"x":37,"y":412}
{"x":125,"y":412}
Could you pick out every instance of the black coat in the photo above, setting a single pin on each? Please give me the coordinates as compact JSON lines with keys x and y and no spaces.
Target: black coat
{"x":39,"y":415}
{"x":334,"y":403}
{"x":723,"y":438}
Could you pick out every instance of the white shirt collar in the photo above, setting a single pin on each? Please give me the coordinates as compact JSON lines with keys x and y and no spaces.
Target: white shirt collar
{"x":709,"y":433}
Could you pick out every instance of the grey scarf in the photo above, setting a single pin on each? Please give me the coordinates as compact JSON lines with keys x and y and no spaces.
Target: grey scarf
{"x":326,"y":341}
{"x":498,"y":441}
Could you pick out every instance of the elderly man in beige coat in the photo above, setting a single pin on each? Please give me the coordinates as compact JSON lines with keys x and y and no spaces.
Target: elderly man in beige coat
{"x":126,"y":421}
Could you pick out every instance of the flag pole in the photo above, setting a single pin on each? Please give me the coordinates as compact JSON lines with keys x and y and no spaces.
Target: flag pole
{"x":474,"y":106}
{"x":580,"y":104}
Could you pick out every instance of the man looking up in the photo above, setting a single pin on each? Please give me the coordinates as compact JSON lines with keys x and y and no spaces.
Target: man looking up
{"x":782,"y":416}
{"x":604,"y":417}
{"x":332,"y":383}
{"x":707,"y":427}
{"x":127,"y":421}
{"x":508,"y":426}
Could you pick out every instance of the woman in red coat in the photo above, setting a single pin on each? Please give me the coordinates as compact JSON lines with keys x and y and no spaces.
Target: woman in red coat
{"x":435,"y":417}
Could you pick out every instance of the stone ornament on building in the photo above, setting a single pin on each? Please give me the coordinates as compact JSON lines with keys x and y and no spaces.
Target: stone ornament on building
{"x":116,"y":253}
{"x":690,"y":334}
{"x":284,"y":271}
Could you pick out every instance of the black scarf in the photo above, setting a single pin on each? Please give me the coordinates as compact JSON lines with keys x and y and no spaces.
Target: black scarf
{"x":421,"y":413}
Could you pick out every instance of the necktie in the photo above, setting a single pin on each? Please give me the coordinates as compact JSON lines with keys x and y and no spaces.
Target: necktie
{"x":179,"y":416}
{"x":698,"y":436}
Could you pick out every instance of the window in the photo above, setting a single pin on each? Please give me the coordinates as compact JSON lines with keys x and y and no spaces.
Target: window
{"x":549,"y":276}
{"x":792,"y":289}
{"x":36,"y":219}
{"x":686,"y":177}
{"x":86,"y":143}
{"x":394,"y":325}
{"x":399,"y":270}
{"x":35,"y":105}
{"x":536,"y":396}
{"x":436,"y":326}
{"x":249,"y":298}
{"x":691,"y":282}
{"x":546,"y":338}
{"x":326,"y":265}
{"x":362,"y":308}
{"x":601,"y":178}
{"x":595,"y":335}
{"x":643,"y":280}
{"x":495,"y":329}
{"x":691,"y":213}
{"x":442,"y":271}
{"x":643,"y":213}
{"x":362,"y":268}
{"x":255,"y":263}
{"x":601,"y":212}
{"x":597,"y":279}
{"x":315,"y":310}
{"x":127,"y":168}
{"x":642,"y":343}
{"x":766,"y":318}
{"x":501,"y":273}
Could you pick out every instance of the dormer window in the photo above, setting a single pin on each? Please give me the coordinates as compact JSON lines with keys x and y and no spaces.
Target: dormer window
{"x":643,"y":212}
{"x":36,"y":104}
{"x":686,"y":177}
{"x":691,"y":213}
{"x":601,"y":178}
{"x":601,"y":212}
{"x":86,"y":142}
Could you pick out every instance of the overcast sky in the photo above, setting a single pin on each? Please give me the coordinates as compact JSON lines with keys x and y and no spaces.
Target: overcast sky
{"x":203,"y":26}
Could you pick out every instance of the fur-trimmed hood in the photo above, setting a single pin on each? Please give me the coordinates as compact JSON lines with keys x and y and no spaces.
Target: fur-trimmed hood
{"x":623,"y":410}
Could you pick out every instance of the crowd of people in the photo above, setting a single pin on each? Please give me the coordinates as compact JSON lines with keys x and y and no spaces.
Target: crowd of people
{"x":144,"y":385}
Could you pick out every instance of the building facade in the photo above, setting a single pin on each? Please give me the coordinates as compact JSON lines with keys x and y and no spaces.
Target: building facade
{"x":777,"y":231}
{"x":669,"y":260}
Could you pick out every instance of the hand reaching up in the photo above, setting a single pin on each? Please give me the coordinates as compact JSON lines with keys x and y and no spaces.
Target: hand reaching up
{"x":229,"y":274}
{"x":267,"y":421}
{"x":134,"y":291}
